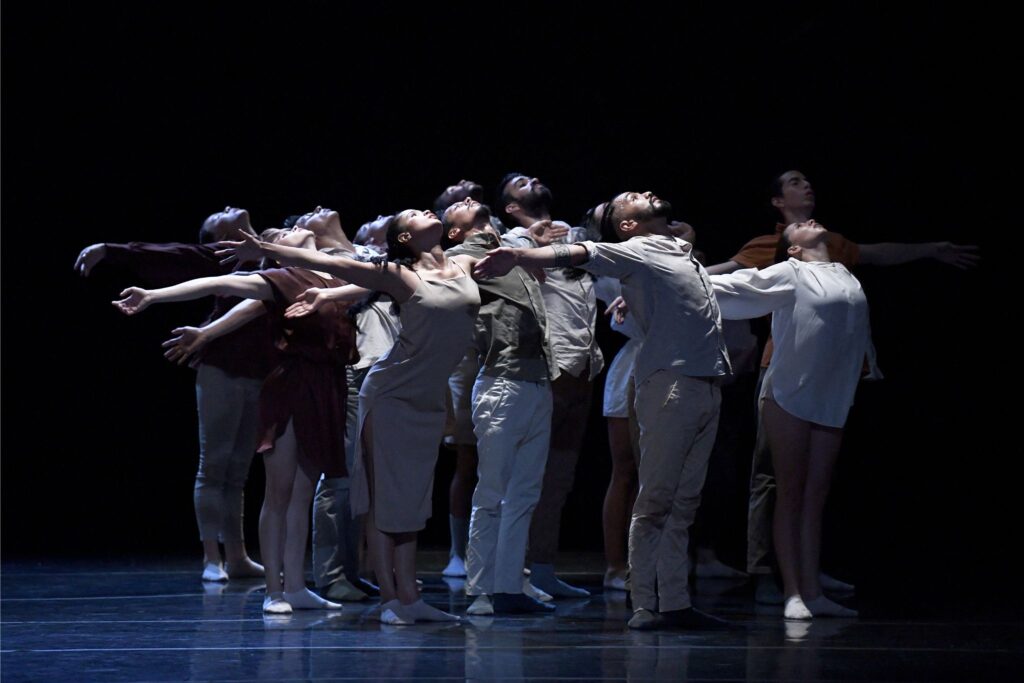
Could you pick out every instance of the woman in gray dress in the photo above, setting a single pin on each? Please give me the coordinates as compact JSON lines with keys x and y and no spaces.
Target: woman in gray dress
{"x":401,"y":407}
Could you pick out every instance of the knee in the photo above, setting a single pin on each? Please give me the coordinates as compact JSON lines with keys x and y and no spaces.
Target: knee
{"x":652,"y":508}
{"x":277,"y":496}
{"x":486,"y":502}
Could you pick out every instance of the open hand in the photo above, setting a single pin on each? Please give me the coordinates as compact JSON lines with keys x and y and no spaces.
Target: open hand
{"x":497,"y":262}
{"x":545,"y":232}
{"x":136,"y":301}
{"x":181,"y":348}
{"x":962,"y":256}
{"x":248,"y":249}
{"x":313,"y":299}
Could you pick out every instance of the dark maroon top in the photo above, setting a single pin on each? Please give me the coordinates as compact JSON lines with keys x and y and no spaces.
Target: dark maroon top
{"x":308,"y":386}
{"x":246,"y":352}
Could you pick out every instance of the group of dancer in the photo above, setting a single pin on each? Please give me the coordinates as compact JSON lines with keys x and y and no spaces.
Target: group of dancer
{"x":345,"y":365}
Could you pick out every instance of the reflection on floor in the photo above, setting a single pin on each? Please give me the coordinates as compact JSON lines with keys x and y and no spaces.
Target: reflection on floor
{"x":155,"y":621}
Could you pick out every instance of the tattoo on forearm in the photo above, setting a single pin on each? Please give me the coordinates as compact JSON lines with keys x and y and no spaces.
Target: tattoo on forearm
{"x":563,"y":259}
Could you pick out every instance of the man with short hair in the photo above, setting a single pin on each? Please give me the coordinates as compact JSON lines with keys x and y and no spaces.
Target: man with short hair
{"x":677,"y":397}
{"x":571,"y":302}
{"x":511,"y":416}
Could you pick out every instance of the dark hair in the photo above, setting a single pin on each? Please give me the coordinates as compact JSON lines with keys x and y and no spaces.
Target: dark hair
{"x":608,"y":231}
{"x":206,"y":234}
{"x":775,"y":187}
{"x":446,"y":198}
{"x":398,"y":252}
{"x":503,"y":197}
{"x":782,"y":248}
{"x":592,"y":227}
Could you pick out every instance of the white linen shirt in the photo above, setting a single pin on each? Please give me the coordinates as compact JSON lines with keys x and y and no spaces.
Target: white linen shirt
{"x":820,"y":330}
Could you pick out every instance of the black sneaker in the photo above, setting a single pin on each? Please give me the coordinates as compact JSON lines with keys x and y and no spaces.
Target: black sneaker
{"x":518,"y":603}
{"x":694,"y":620}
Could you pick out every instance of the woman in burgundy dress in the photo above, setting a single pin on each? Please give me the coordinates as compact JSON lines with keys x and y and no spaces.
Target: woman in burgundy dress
{"x":302,"y":403}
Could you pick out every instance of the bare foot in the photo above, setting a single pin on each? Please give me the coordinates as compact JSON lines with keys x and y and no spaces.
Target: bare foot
{"x":244,"y":569}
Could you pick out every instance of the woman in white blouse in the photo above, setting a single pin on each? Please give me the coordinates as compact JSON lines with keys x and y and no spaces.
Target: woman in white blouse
{"x":822,"y":338}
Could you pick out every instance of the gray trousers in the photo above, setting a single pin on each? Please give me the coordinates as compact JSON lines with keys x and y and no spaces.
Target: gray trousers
{"x":512,"y":422}
{"x":678,"y":417}
{"x":228,"y":418}
{"x":336,"y":535}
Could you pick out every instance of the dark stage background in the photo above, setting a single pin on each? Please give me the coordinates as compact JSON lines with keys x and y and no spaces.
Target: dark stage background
{"x":134,"y":124}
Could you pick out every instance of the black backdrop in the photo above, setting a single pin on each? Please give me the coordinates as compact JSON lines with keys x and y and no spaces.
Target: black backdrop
{"x":130,"y":123}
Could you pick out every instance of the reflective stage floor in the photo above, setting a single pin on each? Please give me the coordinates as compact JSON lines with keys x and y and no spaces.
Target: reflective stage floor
{"x":155,"y":621}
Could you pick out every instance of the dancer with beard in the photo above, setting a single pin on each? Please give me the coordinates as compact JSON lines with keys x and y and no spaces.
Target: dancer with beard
{"x":571,"y":304}
{"x":677,"y":369}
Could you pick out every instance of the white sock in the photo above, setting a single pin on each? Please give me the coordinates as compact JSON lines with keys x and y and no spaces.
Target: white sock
{"x":481,"y":607}
{"x":421,"y":611}
{"x":276,"y":604}
{"x":823,"y":607}
{"x":796,"y":609}
{"x":307,"y":599}
{"x":214,"y":572}
{"x":456,"y":568}
{"x":396,"y":614}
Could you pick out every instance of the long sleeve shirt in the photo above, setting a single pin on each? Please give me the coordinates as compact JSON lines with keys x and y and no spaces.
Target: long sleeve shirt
{"x":821,"y":332}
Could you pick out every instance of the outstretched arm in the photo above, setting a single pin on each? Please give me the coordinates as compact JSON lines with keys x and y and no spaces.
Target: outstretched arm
{"x":155,"y":264}
{"x":962,"y":256}
{"x":190,"y":340}
{"x":723,"y":268}
{"x":245,"y":286}
{"x":500,"y":261}
{"x":751,"y":293}
{"x":380,"y":277}
{"x":315,"y":298}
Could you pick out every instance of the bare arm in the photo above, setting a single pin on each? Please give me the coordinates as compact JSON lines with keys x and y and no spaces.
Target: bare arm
{"x":245,"y":286}
{"x":315,"y":298}
{"x":190,"y":340}
{"x":380,"y":277}
{"x":723,"y":268}
{"x":500,"y":261}
{"x":896,"y":253}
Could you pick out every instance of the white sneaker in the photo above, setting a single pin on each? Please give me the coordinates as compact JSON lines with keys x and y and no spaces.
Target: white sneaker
{"x":481,"y":607}
{"x":456,"y":568}
{"x":534,"y":592}
{"x":214,"y":572}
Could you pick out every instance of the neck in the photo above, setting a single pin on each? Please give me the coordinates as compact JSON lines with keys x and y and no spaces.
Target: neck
{"x":432,"y":259}
{"x":818,"y":252}
{"x":334,"y":238}
{"x":528,"y":219}
{"x":656,"y":226}
{"x":790,"y":216}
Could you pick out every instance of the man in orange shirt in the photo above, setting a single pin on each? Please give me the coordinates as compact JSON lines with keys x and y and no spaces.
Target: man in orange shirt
{"x":793,"y":197}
